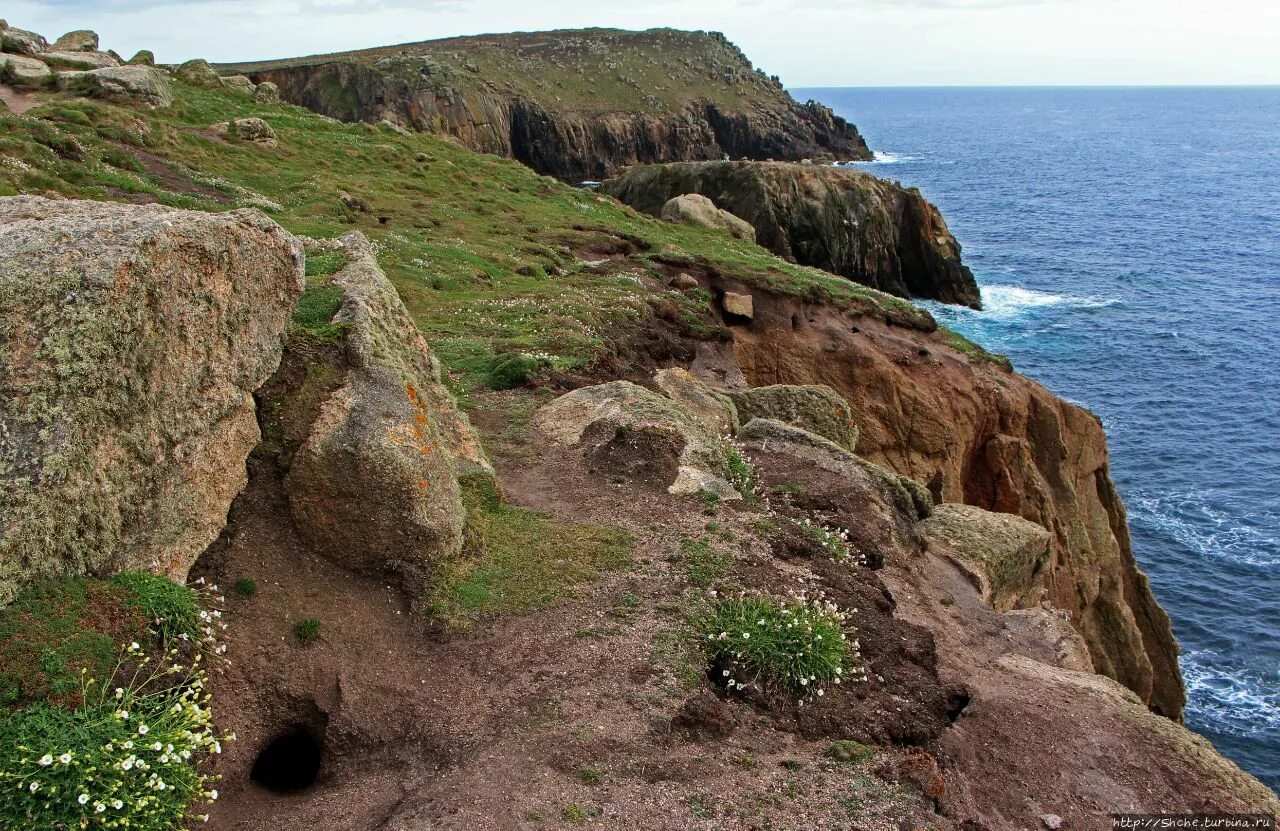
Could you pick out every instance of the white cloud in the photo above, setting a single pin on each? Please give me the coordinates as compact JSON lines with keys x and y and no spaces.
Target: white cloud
{"x":807,"y":42}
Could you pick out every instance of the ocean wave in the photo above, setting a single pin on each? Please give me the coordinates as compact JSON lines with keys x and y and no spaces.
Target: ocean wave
{"x":881,"y":157}
{"x":1227,"y":699}
{"x":1001,"y":302}
{"x":1190,"y":519}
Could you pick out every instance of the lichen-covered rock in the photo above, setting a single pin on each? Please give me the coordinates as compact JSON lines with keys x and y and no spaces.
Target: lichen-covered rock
{"x":625,"y":406}
{"x":266,"y":93}
{"x":24,"y":72}
{"x":78,"y":60}
{"x":814,"y":407}
{"x":374,"y":487}
{"x":701,"y":400}
{"x":141,"y":84}
{"x":81,"y":40}
{"x":696,"y":209}
{"x":909,"y":497}
{"x":238,"y":83}
{"x":197,"y":71}
{"x":133,"y":338}
{"x":143,"y":57}
{"x":22,"y":42}
{"x":248,"y":129}
{"x":1003,"y":554}
{"x":844,"y":221}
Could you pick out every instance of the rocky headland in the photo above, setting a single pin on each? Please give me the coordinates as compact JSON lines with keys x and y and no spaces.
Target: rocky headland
{"x":401,"y":487}
{"x":576,"y":105}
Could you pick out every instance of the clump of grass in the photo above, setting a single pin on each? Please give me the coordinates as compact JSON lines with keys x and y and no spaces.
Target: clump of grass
{"x":710,"y":502}
{"x":512,"y":370}
{"x":324,"y":264}
{"x":792,"y":646}
{"x":703,"y":563}
{"x":833,"y":541}
{"x":574,"y":814}
{"x":171,"y":608}
{"x":849,"y":752}
{"x":741,"y":474}
{"x":516,"y":560}
{"x":314,"y":313}
{"x":307,"y":630}
{"x":246,"y":587}
{"x":590,"y":776}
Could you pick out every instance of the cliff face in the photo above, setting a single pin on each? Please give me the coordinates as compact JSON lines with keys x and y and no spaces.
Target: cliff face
{"x":843,"y":221}
{"x":573,"y":104}
{"x":975,"y":433}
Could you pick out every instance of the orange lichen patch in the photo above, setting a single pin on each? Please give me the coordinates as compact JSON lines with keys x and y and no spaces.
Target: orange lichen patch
{"x":412,"y":393}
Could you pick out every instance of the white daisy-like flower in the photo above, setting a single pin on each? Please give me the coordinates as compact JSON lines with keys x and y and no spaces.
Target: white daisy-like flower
{"x":142,"y":729}
{"x":65,"y":758}
{"x":82,"y":798}
{"x":117,"y":804}
{"x":46,"y":760}
{"x":35,"y":786}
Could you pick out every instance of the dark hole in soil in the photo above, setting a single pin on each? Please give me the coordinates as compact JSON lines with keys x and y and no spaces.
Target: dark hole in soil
{"x":957,"y":700}
{"x":290,"y":762}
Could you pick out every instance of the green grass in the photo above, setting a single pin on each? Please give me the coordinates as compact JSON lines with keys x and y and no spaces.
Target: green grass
{"x":246,"y":587}
{"x":741,"y":474}
{"x":307,"y":630}
{"x":517,"y":560}
{"x":314,"y":313}
{"x":790,"y":646}
{"x":850,"y":752}
{"x":702,"y":562}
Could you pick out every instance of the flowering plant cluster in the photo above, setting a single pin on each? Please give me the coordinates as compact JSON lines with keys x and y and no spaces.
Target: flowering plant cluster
{"x":741,"y":474}
{"x":794,"y":645}
{"x":129,"y":754}
{"x":835,"y":541}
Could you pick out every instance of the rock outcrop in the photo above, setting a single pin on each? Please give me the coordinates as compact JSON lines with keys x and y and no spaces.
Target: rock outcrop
{"x":22,"y":71}
{"x":695,"y":209}
{"x":81,"y":40}
{"x":253,"y":130}
{"x":818,"y":409}
{"x":572,"y":104}
{"x":974,"y":433}
{"x":134,"y":337}
{"x":1002,"y":553}
{"x":374,"y":486}
{"x":143,"y":84}
{"x":843,"y":221}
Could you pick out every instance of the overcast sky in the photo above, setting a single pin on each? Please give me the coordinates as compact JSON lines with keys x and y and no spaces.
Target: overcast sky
{"x":807,"y":42}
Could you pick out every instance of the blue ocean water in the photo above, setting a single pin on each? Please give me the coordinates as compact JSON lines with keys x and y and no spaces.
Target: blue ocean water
{"x":1127,"y":241}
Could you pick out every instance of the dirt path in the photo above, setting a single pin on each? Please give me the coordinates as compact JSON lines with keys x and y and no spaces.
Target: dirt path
{"x":17,"y":102}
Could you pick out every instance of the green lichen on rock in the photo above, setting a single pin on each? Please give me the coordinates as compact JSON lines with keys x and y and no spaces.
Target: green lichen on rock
{"x":813,"y":407}
{"x":132,"y":337}
{"x":1002,"y":553}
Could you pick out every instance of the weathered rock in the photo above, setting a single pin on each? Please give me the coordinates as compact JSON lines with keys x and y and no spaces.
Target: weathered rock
{"x":696,"y":209}
{"x":134,"y":337}
{"x":374,"y":486}
{"x":908,"y":496}
{"x":840,"y":220}
{"x":266,"y":93}
{"x":78,"y":60}
{"x":143,"y":84}
{"x":814,"y":407}
{"x":197,"y":71}
{"x":624,"y":406}
{"x":684,"y":282}
{"x":979,"y":434}
{"x":426,"y":87}
{"x":738,"y":305}
{"x":22,"y":42}
{"x":81,"y":40}
{"x":23,"y":71}
{"x":701,"y":400}
{"x":143,"y":57}
{"x":238,"y":83}
{"x":248,"y":129}
{"x":1003,"y":554}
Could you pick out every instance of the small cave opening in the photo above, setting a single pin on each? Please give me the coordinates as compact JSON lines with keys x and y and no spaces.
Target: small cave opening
{"x":290,"y":762}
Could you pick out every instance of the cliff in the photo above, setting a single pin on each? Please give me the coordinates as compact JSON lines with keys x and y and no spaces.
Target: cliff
{"x":575,"y":104}
{"x":843,"y":221}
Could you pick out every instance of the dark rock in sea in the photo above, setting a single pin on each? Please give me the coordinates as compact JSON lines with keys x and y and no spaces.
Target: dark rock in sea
{"x":843,"y":221}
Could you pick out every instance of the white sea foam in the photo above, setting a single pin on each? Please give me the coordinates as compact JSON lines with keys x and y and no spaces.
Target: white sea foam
{"x":1228,"y":699}
{"x":1210,"y":532}
{"x":1000,"y":302}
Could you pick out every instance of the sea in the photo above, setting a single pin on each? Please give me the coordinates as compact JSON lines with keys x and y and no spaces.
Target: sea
{"x":1127,"y":244}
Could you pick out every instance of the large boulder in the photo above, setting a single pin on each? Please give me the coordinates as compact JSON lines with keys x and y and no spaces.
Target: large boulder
{"x":22,"y":42}
{"x":266,"y":93}
{"x":142,"y":84}
{"x":696,"y":209}
{"x":814,"y":407}
{"x":253,"y":130}
{"x":1002,"y":554}
{"x":81,"y":40}
{"x":134,"y":338}
{"x":844,"y":221}
{"x":24,"y":72}
{"x":78,"y":60}
{"x":374,"y":487}
{"x":238,"y":83}
{"x":198,"y":71}
{"x":143,"y":57}
{"x":621,"y":412}
{"x":700,"y":399}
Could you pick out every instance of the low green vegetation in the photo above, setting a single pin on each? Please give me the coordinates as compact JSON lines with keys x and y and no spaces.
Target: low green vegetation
{"x":834,"y":542}
{"x":103,"y":716}
{"x":313,"y":316}
{"x":703,"y":563}
{"x":741,"y":474}
{"x":850,"y":752}
{"x":246,"y":587}
{"x":307,"y":630}
{"x":792,"y":646}
{"x":516,"y":560}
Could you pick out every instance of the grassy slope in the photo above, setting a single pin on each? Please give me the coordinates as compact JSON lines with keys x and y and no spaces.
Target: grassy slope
{"x":483,"y":250}
{"x":589,"y":70}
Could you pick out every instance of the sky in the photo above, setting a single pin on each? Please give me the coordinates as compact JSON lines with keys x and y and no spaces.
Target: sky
{"x":806,"y":42}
